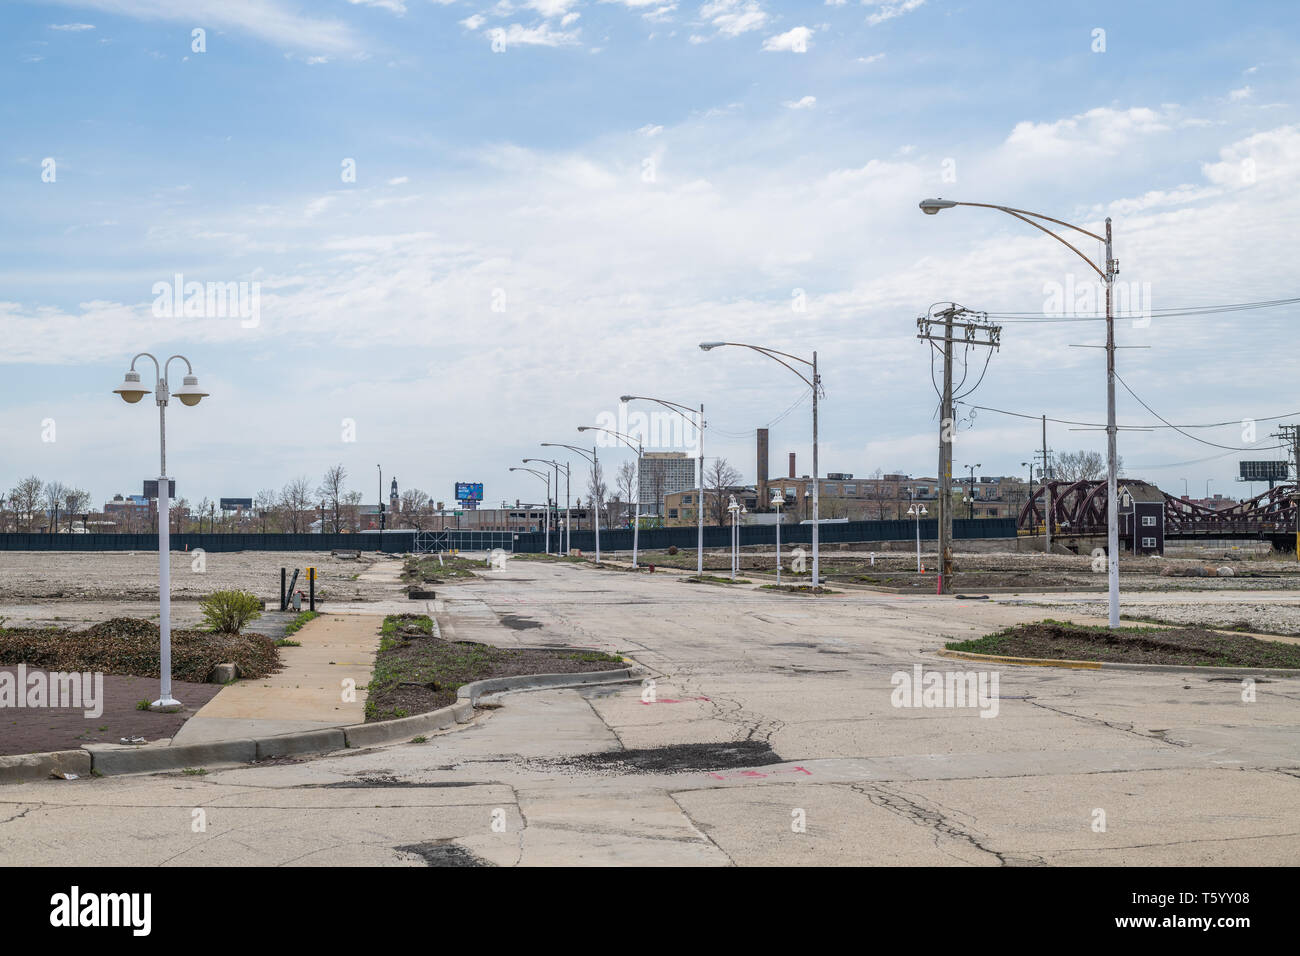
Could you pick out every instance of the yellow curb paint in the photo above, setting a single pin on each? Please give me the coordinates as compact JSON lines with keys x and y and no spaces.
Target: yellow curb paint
{"x":1029,"y":661}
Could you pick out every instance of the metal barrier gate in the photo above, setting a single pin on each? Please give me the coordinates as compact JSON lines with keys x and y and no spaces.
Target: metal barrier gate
{"x":428,"y":542}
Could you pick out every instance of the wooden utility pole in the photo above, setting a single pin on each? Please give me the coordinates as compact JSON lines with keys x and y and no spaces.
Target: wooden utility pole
{"x":972,"y":331}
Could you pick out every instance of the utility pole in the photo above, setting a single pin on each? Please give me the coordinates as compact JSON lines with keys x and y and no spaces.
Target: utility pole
{"x":1291,"y":435}
{"x":971,"y":336}
{"x":1044,"y":472}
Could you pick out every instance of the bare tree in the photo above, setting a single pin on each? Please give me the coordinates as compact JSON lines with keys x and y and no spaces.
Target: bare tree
{"x":26,"y":497}
{"x":180,"y":509}
{"x":718,"y":477}
{"x":596,"y":489}
{"x":331,"y":489}
{"x":52,"y":498}
{"x":295,"y":499}
{"x":265,"y":503}
{"x":352,"y":509}
{"x":415,"y":509}
{"x":625,"y":483}
{"x":1083,"y":466}
{"x":74,"y":500}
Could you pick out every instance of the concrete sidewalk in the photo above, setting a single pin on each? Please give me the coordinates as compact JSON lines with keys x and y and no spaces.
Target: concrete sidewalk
{"x":337,"y":655}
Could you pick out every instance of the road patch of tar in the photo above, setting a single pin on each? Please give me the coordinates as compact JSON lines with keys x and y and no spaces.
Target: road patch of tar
{"x":675,"y":758}
{"x":517,"y":623}
{"x":443,"y":854}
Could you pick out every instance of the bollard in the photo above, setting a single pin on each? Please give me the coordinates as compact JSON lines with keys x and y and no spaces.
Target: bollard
{"x":284,"y":594}
{"x":311,"y":589}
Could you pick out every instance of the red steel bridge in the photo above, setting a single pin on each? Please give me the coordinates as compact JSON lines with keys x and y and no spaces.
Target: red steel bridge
{"x":1079,"y":507}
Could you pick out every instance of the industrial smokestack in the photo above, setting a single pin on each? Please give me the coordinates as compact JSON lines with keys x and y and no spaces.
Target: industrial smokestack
{"x":792,"y":474}
{"x":762,"y":466}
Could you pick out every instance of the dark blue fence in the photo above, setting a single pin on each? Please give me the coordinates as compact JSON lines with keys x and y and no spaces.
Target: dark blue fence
{"x":654,"y":539}
{"x":394,"y":542}
{"x":534,"y":542}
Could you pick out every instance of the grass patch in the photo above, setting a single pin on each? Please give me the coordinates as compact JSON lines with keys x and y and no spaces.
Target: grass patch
{"x":1186,"y":646}
{"x":296,"y":625}
{"x":285,"y":642}
{"x":714,"y":579}
{"x":798,"y":588}
{"x":428,"y":569}
{"x":415,"y":672}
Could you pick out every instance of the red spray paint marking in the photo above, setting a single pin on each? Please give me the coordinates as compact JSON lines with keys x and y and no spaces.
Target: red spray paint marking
{"x":751,"y":774}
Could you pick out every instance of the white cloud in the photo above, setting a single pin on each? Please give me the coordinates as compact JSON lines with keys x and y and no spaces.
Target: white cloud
{"x":519,"y":35}
{"x":473,"y":22}
{"x":794,"y":40}
{"x":396,"y":6}
{"x":550,"y":8}
{"x":72,"y":27}
{"x":734,"y":17}
{"x":1241,"y":94}
{"x":872,"y":58}
{"x":650,"y":130}
{"x":889,"y":9}
{"x":399,"y":180}
{"x":269,"y":20}
{"x":805,"y":103}
{"x":1096,"y":133}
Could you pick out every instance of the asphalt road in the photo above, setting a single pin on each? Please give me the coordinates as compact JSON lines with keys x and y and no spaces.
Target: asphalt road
{"x":799,"y":756}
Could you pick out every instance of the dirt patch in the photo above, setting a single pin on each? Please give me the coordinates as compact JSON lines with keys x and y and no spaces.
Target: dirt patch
{"x":129,"y":646}
{"x":25,"y":730}
{"x":415,"y":673}
{"x":675,"y":758}
{"x":1188,"y":646}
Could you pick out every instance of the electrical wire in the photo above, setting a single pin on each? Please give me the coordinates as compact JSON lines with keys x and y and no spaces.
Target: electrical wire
{"x":1184,"y":433}
{"x":1168,"y":313}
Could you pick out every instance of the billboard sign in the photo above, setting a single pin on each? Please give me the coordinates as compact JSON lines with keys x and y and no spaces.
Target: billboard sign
{"x":235,"y":504}
{"x":1265,"y":470}
{"x":469,"y":491}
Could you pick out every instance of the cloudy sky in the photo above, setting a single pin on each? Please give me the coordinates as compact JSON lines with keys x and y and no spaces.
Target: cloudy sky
{"x":474,"y":226}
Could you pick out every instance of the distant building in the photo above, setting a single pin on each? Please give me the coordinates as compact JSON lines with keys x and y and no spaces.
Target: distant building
{"x":663,"y":473}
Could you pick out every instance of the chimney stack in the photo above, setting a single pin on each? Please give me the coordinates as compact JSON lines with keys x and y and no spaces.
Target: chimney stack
{"x":762,"y":467}
{"x":792,"y":474}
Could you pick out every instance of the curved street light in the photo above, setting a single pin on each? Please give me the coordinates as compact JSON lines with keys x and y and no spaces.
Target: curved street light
{"x":627,"y":440}
{"x":699,"y":423}
{"x":546,"y":478}
{"x":1107,"y":271}
{"x":190,"y":394}
{"x":564,"y":540}
{"x":815,"y":383}
{"x":595,"y":464}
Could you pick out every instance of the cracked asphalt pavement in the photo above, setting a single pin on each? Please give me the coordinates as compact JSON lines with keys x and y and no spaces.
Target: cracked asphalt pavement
{"x":768,"y":737}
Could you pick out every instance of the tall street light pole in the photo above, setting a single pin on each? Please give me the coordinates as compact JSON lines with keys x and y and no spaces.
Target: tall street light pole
{"x":815,"y":383}
{"x":629,"y":441}
{"x":566,"y":540}
{"x":595,"y":464}
{"x":546,"y":478}
{"x":971,"y":469}
{"x":132,"y":390}
{"x":699,"y":426}
{"x":1107,"y":272}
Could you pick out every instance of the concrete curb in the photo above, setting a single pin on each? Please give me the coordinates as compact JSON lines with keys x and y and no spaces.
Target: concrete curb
{"x":24,"y":768}
{"x":1119,"y":666}
{"x":111,"y":759}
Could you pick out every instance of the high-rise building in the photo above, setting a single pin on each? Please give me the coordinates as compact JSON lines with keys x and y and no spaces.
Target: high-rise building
{"x":663,"y":473}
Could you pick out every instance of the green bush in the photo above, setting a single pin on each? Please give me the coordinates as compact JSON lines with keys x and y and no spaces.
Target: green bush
{"x":226,"y":612}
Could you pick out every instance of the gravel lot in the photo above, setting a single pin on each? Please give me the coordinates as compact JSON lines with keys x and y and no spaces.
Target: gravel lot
{"x":1270,"y":618}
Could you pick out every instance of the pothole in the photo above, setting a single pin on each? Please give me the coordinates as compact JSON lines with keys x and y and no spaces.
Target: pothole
{"x":674,"y":758}
{"x":443,"y":853}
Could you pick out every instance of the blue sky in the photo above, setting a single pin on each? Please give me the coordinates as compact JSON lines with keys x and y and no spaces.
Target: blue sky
{"x":623,"y":180}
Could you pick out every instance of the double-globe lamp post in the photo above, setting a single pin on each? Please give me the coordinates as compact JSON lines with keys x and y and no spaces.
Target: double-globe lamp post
{"x":1107,"y":272}
{"x":595,"y":468}
{"x":815,"y":383}
{"x":132,"y":390}
{"x":681,"y":410}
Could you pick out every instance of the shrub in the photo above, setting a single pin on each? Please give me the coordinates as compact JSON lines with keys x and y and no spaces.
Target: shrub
{"x":226,"y":612}
{"x":672,"y":549}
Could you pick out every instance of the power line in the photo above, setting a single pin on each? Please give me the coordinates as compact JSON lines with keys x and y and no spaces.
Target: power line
{"x":1167,"y":313}
{"x":1179,"y":430}
{"x":1066,"y":421}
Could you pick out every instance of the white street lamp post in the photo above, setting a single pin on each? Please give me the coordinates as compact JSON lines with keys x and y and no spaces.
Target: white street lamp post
{"x":627,"y":440}
{"x":733,"y":509}
{"x":917,"y":513}
{"x":699,"y":503}
{"x":595,"y":463}
{"x":816,"y":385}
{"x":546,"y":478}
{"x":1111,"y":269}
{"x":132,"y":390}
